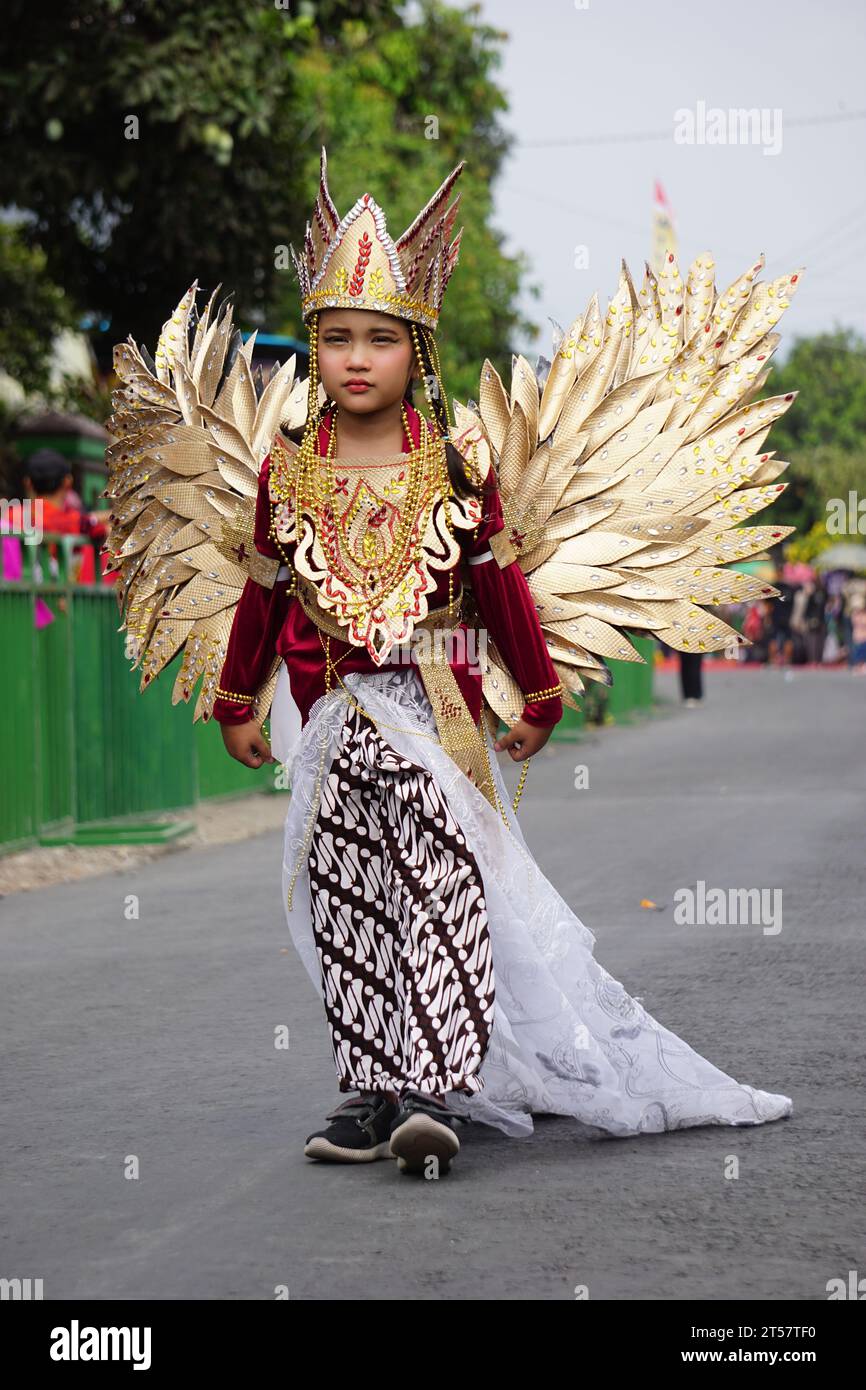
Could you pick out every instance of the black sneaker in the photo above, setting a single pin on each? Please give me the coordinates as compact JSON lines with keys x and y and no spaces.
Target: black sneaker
{"x":422,"y":1129}
{"x":359,"y":1132}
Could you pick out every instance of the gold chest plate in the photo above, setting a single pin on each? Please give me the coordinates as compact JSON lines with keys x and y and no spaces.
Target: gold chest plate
{"x":370,"y":547}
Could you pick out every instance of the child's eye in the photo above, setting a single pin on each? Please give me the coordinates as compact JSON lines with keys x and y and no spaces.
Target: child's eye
{"x":339,"y":340}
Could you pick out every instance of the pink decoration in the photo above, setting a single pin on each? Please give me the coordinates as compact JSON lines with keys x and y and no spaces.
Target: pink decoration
{"x":10,"y":565}
{"x":43,"y":616}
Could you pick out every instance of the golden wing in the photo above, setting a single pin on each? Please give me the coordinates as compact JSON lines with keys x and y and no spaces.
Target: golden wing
{"x":190,"y":430}
{"x":627,"y":467}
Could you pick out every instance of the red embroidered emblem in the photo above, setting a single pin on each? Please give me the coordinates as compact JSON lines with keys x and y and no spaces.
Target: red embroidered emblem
{"x":365,"y":247}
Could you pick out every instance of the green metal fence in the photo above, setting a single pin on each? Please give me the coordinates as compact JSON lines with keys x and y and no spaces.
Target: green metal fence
{"x":91,"y":760}
{"x":630,"y":694}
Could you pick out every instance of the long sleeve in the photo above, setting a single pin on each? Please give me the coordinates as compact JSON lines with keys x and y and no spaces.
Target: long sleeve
{"x":258,"y":621}
{"x":507,"y":611}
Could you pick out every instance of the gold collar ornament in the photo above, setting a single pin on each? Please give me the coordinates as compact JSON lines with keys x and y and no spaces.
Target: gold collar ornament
{"x":372,"y":531}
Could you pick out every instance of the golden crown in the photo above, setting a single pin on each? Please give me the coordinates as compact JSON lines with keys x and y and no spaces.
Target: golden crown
{"x":354,"y":264}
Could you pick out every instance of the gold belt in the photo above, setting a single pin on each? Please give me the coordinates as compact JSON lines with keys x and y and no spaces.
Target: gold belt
{"x":461,"y":739}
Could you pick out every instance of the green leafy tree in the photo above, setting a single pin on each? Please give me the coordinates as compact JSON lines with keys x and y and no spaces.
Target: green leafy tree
{"x":33,"y":309}
{"x":155,"y":141}
{"x":823,"y":434}
{"x":161,"y":140}
{"x":396,"y":110}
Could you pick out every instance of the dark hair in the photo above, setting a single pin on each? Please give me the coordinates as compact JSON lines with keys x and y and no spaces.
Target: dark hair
{"x":462,"y":482}
{"x":46,"y":470}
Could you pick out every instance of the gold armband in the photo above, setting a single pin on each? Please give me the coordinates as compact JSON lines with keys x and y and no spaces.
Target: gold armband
{"x":547,"y":694}
{"x":234,"y":696}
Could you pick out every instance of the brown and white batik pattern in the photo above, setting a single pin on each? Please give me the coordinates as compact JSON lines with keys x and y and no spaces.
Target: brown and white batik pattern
{"x":400,"y":924}
{"x":566,"y":1037}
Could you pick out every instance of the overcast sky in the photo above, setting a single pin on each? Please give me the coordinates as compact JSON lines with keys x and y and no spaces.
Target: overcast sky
{"x":622,"y":67}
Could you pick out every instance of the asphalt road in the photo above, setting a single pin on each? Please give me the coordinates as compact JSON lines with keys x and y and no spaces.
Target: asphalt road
{"x":148,"y":1040}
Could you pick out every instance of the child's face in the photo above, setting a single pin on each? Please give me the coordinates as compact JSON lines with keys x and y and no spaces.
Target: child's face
{"x":360,"y":345}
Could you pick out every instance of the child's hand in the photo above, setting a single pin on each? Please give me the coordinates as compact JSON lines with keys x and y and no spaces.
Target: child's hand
{"x":522,"y":740}
{"x":247,"y":743}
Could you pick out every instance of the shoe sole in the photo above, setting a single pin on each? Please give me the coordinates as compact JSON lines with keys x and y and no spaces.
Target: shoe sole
{"x":323,"y":1149}
{"x":419,"y":1138}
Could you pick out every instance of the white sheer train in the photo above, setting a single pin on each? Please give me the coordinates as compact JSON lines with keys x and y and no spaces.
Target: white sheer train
{"x":567,"y":1038}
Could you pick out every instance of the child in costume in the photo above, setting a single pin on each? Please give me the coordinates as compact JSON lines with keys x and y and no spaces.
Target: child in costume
{"x":457,"y":984}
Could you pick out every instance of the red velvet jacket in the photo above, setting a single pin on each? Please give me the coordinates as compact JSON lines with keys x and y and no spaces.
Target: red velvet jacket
{"x":269,"y":620}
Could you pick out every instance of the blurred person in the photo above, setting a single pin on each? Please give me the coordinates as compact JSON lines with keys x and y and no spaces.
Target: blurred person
{"x":854,"y":600}
{"x":815,"y":617}
{"x":834,"y":643}
{"x":780,"y":643}
{"x":48,"y":480}
{"x":856,"y":603}
{"x":757,"y":628}
{"x":691,"y":678}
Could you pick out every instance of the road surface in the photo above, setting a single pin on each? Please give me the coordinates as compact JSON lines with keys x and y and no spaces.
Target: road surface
{"x":146,"y":1045}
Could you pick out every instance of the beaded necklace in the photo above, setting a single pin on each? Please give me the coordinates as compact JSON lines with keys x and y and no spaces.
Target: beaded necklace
{"x":312,"y":489}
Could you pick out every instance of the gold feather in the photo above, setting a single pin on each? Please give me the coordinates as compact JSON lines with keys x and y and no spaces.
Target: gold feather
{"x":188,"y":443}
{"x":628,"y":474}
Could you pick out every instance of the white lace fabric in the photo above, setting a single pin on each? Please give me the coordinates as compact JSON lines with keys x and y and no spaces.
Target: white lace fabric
{"x":567,"y":1038}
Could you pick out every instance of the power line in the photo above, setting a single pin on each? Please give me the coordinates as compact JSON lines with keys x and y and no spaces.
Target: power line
{"x":593,"y":214}
{"x":644,"y":136}
{"x":818,"y":240}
